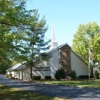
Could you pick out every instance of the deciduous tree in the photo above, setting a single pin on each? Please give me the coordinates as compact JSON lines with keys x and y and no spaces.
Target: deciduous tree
{"x":87,"y":37}
{"x":22,"y":32}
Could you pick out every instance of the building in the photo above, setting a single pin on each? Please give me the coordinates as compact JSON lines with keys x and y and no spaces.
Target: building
{"x":61,"y":57}
{"x":19,"y":71}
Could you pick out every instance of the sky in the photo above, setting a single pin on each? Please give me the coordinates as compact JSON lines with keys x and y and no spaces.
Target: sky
{"x":66,"y":16}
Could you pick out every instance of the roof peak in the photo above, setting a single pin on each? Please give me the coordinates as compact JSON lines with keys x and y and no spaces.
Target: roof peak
{"x":54,"y":43}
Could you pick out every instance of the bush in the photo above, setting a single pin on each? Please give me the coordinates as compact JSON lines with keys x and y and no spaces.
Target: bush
{"x":7,"y":75}
{"x":10,"y":75}
{"x":72,"y":74}
{"x":36,"y":77}
{"x":60,"y":74}
{"x":84,"y":76}
{"x":47,"y":77}
{"x":96,"y":74}
{"x":13,"y":77}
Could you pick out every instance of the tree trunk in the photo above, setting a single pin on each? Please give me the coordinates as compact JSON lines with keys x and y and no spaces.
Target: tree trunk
{"x":92,"y":71}
{"x":31,"y":72}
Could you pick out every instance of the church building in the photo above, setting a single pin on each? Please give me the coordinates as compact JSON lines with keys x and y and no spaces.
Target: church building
{"x":61,"y":57}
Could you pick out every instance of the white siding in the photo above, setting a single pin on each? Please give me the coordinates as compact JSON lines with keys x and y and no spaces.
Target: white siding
{"x":8,"y":72}
{"x":21,"y":77}
{"x":12,"y":73}
{"x":26,"y":73}
{"x":53,"y":63}
{"x":17,"y":74}
{"x":78,"y":65}
{"x":21,"y":74}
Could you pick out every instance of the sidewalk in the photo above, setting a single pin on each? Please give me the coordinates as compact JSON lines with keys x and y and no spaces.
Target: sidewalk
{"x":74,"y":93}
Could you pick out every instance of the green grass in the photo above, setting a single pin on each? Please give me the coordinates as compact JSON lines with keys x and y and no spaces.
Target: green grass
{"x":8,"y":93}
{"x":80,"y":83}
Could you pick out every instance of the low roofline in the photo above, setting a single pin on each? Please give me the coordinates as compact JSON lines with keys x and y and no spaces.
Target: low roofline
{"x":17,"y":66}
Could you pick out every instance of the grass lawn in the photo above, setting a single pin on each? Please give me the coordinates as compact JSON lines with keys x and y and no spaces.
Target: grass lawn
{"x":8,"y":93}
{"x":94,"y":83}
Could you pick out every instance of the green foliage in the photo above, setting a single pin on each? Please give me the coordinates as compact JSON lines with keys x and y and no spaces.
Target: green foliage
{"x":22,"y":32}
{"x":4,"y":65}
{"x":94,"y":83}
{"x":87,"y":36}
{"x":72,"y":74}
{"x":47,"y":77}
{"x":9,"y":75}
{"x":96,"y":74}
{"x":60,"y":74}
{"x":13,"y":62}
{"x":36,"y":77}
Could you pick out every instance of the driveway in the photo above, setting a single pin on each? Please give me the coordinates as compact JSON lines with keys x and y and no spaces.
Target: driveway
{"x":74,"y":93}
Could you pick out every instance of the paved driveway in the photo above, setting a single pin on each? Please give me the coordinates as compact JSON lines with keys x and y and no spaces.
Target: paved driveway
{"x":74,"y":93}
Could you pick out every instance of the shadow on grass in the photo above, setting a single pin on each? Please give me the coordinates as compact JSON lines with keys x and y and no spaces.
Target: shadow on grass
{"x":83,"y":83}
{"x":8,"y":93}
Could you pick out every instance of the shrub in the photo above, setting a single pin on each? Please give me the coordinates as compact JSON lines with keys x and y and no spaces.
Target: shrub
{"x":7,"y":75}
{"x":60,"y":73}
{"x":72,"y":74}
{"x":13,"y":77}
{"x":96,"y":74}
{"x":47,"y":77}
{"x":84,"y":76}
{"x":10,"y":75}
{"x":36,"y":77}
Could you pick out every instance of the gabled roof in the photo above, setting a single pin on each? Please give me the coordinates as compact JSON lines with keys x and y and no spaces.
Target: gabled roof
{"x":23,"y":64}
{"x":17,"y":66}
{"x":69,"y":47}
{"x":57,"y":48}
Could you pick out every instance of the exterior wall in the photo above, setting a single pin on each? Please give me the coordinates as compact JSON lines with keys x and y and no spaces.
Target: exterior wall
{"x":65,"y":58}
{"x":41,"y":73}
{"x":78,"y":65}
{"x":8,"y":72}
{"x":52,"y":63}
{"x":21,"y":73}
{"x":17,"y":74}
{"x":12,"y":72}
{"x":26,"y":73}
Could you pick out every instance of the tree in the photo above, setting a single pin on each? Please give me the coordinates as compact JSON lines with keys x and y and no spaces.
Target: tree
{"x":34,"y":38}
{"x":87,"y":37}
{"x":11,"y":20}
{"x":21,"y":32}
